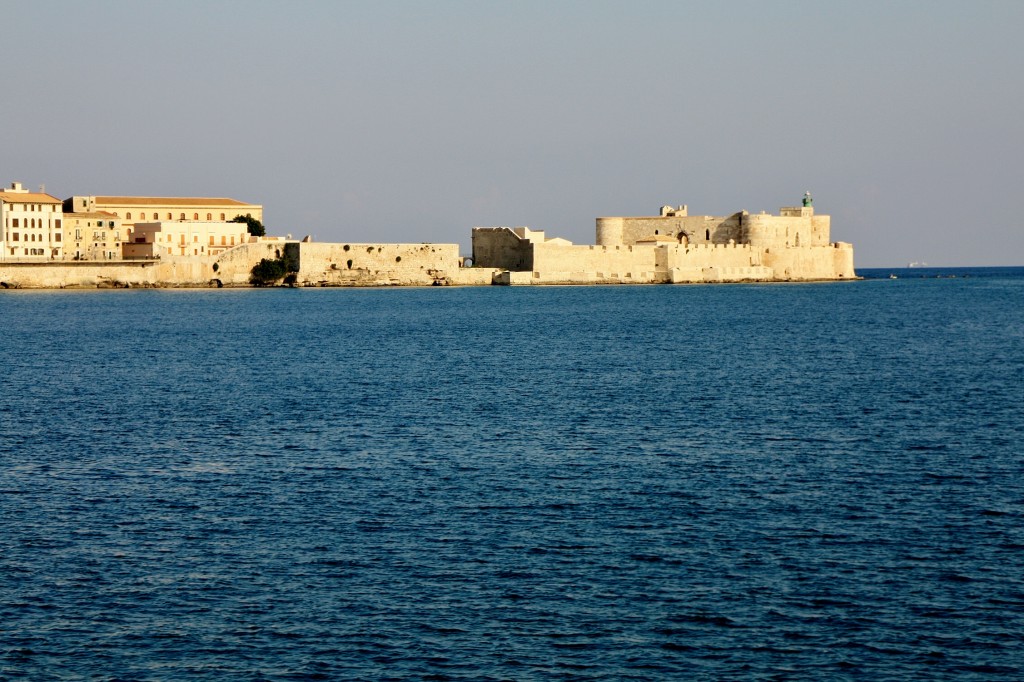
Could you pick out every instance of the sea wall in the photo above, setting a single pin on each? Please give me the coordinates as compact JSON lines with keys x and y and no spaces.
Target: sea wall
{"x":715,"y":263}
{"x":78,"y":274}
{"x":381,"y":265}
{"x":166,"y":272}
{"x":230,"y":268}
{"x":579,"y":264}
{"x":233,"y":267}
{"x":834,"y":261}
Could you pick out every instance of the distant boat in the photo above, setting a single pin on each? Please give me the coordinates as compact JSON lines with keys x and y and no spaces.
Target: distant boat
{"x":915,"y":264}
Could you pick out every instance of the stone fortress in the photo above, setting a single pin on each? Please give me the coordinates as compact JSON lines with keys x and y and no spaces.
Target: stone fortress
{"x":674,"y":247}
{"x":122,"y":241}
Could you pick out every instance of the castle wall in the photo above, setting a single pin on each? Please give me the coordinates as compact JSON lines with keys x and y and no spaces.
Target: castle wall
{"x":377,"y":264}
{"x":233,"y":267}
{"x":610,"y":231}
{"x":562,"y":263}
{"x":834,"y":261}
{"x":501,"y":247}
{"x":697,"y":229}
{"x":785,"y":231}
{"x":318,"y":265}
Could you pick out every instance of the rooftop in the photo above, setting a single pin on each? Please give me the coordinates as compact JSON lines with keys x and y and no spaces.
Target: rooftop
{"x":170,"y":201}
{"x":97,"y":214}
{"x":28,"y":198}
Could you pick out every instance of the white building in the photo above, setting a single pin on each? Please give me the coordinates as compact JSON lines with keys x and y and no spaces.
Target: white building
{"x":30,"y":225}
{"x":185,"y":238}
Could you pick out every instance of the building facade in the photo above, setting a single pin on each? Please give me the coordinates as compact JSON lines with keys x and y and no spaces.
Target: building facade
{"x":132,"y":210}
{"x":31,"y":225}
{"x":93,"y":236}
{"x":185,"y":238}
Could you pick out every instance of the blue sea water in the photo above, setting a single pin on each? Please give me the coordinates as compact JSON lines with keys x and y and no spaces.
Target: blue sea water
{"x":800,"y":482}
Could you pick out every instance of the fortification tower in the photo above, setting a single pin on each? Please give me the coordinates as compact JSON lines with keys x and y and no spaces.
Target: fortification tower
{"x":610,"y":231}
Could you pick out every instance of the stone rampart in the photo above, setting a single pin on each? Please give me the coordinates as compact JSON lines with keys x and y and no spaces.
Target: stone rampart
{"x":834,"y":261}
{"x":78,"y":274}
{"x":377,"y":264}
{"x":560,"y":263}
{"x":501,"y":247}
{"x":230,"y":268}
{"x":233,"y":267}
{"x":786,"y":231}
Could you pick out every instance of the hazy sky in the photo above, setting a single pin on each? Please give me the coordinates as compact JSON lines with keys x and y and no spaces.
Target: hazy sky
{"x":415,"y":121}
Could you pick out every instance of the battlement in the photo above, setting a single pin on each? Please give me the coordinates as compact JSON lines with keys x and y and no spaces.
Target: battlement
{"x":675,"y":246}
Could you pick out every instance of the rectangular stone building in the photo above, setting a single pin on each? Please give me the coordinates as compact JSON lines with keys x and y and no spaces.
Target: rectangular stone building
{"x":30,"y":225}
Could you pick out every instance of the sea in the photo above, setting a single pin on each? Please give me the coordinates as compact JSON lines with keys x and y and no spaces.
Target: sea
{"x":819,"y":481}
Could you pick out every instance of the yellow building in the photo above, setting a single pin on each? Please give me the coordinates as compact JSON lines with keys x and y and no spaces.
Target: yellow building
{"x":133,"y":210}
{"x":185,"y":238}
{"x":93,"y":236}
{"x":30,"y":225}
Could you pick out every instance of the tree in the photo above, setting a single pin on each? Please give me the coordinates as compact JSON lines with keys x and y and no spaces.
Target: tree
{"x":254,"y":226}
{"x":267,"y":271}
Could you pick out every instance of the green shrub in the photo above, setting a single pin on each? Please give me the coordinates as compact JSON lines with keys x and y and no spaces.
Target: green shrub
{"x":267,"y":272}
{"x":254,"y":226}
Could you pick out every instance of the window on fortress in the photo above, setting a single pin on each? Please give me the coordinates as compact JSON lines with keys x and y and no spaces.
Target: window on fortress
{"x":128,"y":216}
{"x":15,"y":220}
{"x":14,"y":236}
{"x":170,"y":217}
{"x":209,"y":216}
{"x":222,"y":216}
{"x":195,"y":216}
{"x":182,"y":217}
{"x":155,"y":216}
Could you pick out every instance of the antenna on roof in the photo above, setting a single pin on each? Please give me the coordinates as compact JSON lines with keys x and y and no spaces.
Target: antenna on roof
{"x":42,"y":189}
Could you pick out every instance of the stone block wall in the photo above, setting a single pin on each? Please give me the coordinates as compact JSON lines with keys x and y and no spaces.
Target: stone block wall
{"x":377,"y":264}
{"x":834,"y":261}
{"x":562,"y":263}
{"x":697,"y":229}
{"x":501,"y":247}
{"x":786,"y":231}
{"x":233,"y":267}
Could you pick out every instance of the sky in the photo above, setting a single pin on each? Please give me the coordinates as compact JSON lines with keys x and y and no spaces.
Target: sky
{"x":414,"y":121}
